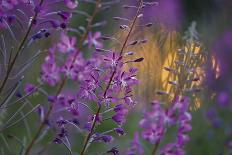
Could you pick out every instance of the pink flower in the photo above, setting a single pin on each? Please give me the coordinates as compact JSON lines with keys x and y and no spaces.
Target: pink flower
{"x":50,"y":72}
{"x":135,"y":146}
{"x":29,"y":88}
{"x":67,"y":44}
{"x":71,"y":4}
{"x":93,"y":40}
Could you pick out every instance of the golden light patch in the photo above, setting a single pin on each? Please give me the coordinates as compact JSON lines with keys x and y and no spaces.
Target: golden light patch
{"x":216,"y":66}
{"x":184,"y":71}
{"x":161,"y":51}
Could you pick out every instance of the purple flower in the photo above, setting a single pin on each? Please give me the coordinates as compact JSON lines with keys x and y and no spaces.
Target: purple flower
{"x":103,"y":138}
{"x":75,"y":121}
{"x":211,"y":113}
{"x":153,"y":134}
{"x":107,"y":138}
{"x":181,"y":104}
{"x":10,"y":4}
{"x":182,"y":139}
{"x":223,"y":99}
{"x":128,"y":100}
{"x":61,"y":99}
{"x":71,"y":4}
{"x":88,"y":126}
{"x":172,"y":149}
{"x":93,"y":40}
{"x":50,"y":74}
{"x":118,"y":107}
{"x":63,"y":133}
{"x":101,"y":80}
{"x":182,"y":118}
{"x":113,"y":59}
{"x":119,"y":116}
{"x":135,"y":146}
{"x":119,"y":131}
{"x":61,"y":122}
{"x":89,"y":86}
{"x":46,"y":14}
{"x":126,"y":79}
{"x":29,"y":88}
{"x":67,"y":44}
{"x":185,"y":127}
{"x":69,"y":70}
{"x":213,"y":117}
{"x":6,"y":18}
{"x":229,"y":144}
{"x":64,"y":15}
{"x":72,"y":68}
{"x":153,"y":123}
{"x":73,"y":108}
{"x":69,"y":102}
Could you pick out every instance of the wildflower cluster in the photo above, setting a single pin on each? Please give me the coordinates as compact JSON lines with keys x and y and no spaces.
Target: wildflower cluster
{"x":135,"y":146}
{"x":52,"y":68}
{"x":105,"y":83}
{"x":103,"y":87}
{"x":156,"y":122}
{"x":160,"y":118}
{"x":84,"y":89}
{"x":36,"y":19}
{"x":13,"y":11}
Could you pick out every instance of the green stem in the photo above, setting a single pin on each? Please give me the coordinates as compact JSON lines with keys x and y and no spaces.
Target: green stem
{"x":155,"y":148}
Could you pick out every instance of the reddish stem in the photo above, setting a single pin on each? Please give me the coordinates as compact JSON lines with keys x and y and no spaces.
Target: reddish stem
{"x":42,"y":125}
{"x":111,"y":79}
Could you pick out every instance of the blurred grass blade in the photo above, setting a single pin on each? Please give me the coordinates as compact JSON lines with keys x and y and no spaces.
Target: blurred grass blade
{"x":27,"y":64}
{"x":11,"y":32}
{"x":26,"y":125}
{"x":4,"y":51}
{"x":12,"y":92}
{"x":6,"y":143}
{"x":15,"y":113}
{"x":20,"y":142}
{"x":20,"y":119}
{"x":67,"y":147}
{"x":2,"y":151}
{"x":42,"y":135}
{"x":20,"y":99}
{"x":81,"y":13}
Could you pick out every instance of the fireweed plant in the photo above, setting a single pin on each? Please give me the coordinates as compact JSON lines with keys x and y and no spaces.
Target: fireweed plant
{"x":36,"y":19}
{"x":102,"y":84}
{"x":174,"y":111}
{"x":26,"y":22}
{"x":102,"y":87}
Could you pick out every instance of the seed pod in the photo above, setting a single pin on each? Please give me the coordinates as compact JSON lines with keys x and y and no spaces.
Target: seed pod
{"x":139,"y":60}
